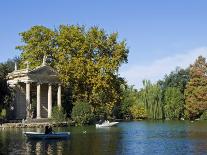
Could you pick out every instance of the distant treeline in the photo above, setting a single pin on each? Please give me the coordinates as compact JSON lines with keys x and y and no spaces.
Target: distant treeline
{"x":180,"y":95}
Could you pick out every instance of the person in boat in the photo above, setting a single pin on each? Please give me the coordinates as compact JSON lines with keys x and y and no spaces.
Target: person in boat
{"x":48,"y":129}
{"x":103,"y":119}
{"x":100,"y":121}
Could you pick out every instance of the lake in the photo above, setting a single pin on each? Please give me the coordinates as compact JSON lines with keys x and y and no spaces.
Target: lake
{"x":137,"y":137}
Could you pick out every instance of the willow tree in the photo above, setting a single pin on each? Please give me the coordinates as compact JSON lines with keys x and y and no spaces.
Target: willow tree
{"x":195,"y":93}
{"x":151,"y":95}
{"x":87,"y":60}
{"x":174,"y":103}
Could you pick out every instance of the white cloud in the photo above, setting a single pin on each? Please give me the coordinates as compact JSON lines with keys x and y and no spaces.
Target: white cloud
{"x":157,"y":69}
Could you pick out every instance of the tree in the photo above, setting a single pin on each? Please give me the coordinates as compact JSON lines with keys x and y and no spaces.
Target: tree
{"x":178,"y":78}
{"x":6,"y":93}
{"x":151,"y":96}
{"x":173,"y":100}
{"x":195,"y":93}
{"x":82,"y":113}
{"x":87,"y":61}
{"x":129,"y":98}
{"x":39,"y":41}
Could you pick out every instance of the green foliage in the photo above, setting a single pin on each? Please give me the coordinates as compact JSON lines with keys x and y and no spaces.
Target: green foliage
{"x":178,"y":79}
{"x":195,"y":93}
{"x":173,"y":100}
{"x":138,"y":111}
{"x":82,"y":113}
{"x":6,"y":93}
{"x":204,"y":116}
{"x":58,"y":114}
{"x":129,"y":98}
{"x":151,"y":96}
{"x":38,"y":41}
{"x":3,"y":113}
{"x":87,"y":60}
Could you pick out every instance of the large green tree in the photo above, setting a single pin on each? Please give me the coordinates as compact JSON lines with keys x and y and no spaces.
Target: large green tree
{"x":195,"y":93}
{"x":87,"y":60}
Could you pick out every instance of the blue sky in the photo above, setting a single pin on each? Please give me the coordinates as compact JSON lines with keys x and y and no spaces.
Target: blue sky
{"x":160,"y":34}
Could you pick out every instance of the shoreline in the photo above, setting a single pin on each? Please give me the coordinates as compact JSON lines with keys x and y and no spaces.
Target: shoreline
{"x":34,"y":125}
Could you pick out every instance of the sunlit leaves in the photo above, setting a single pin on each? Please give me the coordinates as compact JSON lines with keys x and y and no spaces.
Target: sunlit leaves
{"x":195,"y":93}
{"x":87,"y":60}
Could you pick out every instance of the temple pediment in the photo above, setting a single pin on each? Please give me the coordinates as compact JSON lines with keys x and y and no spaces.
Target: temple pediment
{"x":40,"y":74}
{"x":43,"y":74}
{"x":43,"y":71}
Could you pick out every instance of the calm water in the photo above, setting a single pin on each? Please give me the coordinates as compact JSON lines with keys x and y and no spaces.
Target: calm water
{"x":143,"y":137}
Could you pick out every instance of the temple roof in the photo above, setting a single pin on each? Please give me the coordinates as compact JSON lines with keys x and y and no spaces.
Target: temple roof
{"x":40,"y":74}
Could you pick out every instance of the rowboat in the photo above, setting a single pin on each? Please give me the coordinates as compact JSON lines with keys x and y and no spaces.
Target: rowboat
{"x":106,"y":124}
{"x":54,"y":135}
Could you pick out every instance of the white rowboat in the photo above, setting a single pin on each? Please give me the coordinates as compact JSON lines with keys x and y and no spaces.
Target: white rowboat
{"x":106,"y":124}
{"x":38,"y":135}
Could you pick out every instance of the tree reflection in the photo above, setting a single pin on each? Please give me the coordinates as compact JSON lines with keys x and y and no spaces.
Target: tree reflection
{"x":45,"y":146}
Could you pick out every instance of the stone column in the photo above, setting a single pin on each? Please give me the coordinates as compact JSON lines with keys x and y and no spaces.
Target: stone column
{"x":49,"y":100}
{"x":59,"y":96}
{"x":28,"y":104}
{"x":38,"y":100}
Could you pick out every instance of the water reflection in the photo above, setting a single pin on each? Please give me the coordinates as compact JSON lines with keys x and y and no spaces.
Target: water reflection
{"x":143,"y":137}
{"x":45,"y":146}
{"x":95,"y":141}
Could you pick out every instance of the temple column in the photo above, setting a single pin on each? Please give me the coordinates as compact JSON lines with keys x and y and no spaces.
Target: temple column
{"x":49,"y":100}
{"x":38,"y":100}
{"x":59,"y":96}
{"x":28,"y":104}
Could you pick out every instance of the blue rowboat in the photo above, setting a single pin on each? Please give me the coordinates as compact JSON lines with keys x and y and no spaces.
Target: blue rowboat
{"x":54,"y":135}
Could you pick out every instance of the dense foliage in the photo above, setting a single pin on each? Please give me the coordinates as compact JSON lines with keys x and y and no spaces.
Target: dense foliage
{"x":6,"y":93}
{"x":58,"y":114}
{"x":195,"y":93}
{"x":87,"y":60}
{"x":151,"y":96}
{"x":82,"y":113}
{"x":129,"y":98}
{"x":164,"y":99}
{"x":174,"y":103}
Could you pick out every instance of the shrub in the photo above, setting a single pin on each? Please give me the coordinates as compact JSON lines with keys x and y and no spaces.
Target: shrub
{"x":3,"y":113}
{"x":138,"y":111}
{"x":204,"y":116}
{"x":82,"y":113}
{"x":58,"y":114}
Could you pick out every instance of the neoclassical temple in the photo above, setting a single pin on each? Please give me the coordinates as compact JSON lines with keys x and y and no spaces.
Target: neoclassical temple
{"x":37,"y":85}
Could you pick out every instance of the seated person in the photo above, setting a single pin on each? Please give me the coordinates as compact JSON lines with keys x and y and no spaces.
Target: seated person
{"x":48,"y":129}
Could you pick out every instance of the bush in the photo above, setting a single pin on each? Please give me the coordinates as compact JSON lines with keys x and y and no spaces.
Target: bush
{"x":138,"y":111}
{"x":82,"y":113}
{"x":3,"y":113}
{"x":204,"y":116}
{"x":58,"y":114}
